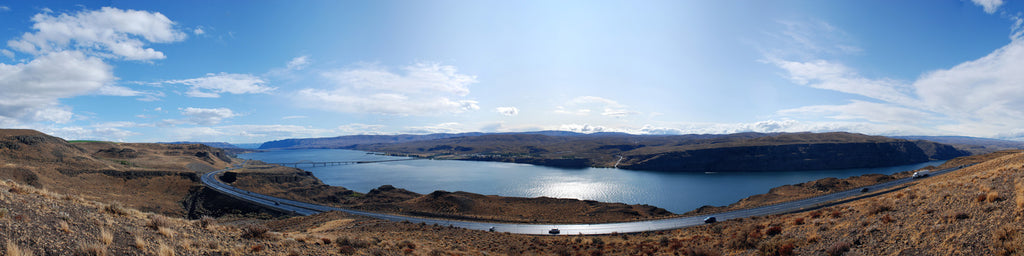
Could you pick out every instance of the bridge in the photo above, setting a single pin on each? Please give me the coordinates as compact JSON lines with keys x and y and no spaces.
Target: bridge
{"x":308,"y":163}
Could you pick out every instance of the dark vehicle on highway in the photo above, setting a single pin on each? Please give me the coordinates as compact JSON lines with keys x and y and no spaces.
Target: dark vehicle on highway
{"x":710,"y":220}
{"x":554,"y":231}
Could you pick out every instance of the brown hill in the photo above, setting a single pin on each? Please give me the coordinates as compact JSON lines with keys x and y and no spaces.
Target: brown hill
{"x":151,"y":177}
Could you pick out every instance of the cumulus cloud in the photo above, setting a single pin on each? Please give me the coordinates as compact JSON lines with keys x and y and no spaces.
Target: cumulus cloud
{"x":507,"y":111}
{"x":421,"y":89}
{"x":207,"y":116}
{"x":32,"y":90}
{"x":4,"y":8}
{"x":213,"y":85}
{"x":990,"y":6}
{"x":198,"y":31}
{"x":108,"y":32}
{"x":584,"y":105}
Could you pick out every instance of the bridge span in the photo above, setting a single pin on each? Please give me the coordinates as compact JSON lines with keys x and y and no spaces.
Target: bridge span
{"x":335,"y":163}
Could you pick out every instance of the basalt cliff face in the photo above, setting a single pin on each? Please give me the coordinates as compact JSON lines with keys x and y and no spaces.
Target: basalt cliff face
{"x":794,"y":157}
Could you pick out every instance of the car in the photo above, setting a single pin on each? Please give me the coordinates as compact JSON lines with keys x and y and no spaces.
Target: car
{"x":921,"y":174}
{"x":864,"y":190}
{"x":554,"y":231}
{"x":711,"y":219}
{"x":491,"y":229}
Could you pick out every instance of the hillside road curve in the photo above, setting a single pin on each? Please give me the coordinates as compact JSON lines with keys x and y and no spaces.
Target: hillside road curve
{"x":300,"y":208}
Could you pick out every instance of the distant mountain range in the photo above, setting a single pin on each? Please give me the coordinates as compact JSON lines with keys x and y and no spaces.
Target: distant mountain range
{"x":974,"y":145}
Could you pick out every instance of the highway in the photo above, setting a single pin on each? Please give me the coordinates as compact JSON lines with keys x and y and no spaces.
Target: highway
{"x":301,"y":208}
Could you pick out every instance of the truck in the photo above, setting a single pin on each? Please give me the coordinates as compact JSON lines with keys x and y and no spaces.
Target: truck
{"x":921,"y":174}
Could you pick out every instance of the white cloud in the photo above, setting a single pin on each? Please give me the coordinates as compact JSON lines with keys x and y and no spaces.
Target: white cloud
{"x":977,"y":98}
{"x":207,"y":116}
{"x":450,"y":127}
{"x":990,"y":6}
{"x":294,"y":117}
{"x":422,"y":89}
{"x":7,"y":53}
{"x":358,"y":128}
{"x":89,"y":133}
{"x":584,"y":105}
{"x":198,"y":31}
{"x":31,"y":91}
{"x":507,"y":111}
{"x":108,"y":32}
{"x":4,"y":8}
{"x":235,"y":133}
{"x":212,"y":85}
{"x":298,"y":63}
{"x":863,"y":110}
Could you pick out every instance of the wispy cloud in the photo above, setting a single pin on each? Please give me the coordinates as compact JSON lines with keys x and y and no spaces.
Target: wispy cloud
{"x":213,"y":85}
{"x":421,"y":89}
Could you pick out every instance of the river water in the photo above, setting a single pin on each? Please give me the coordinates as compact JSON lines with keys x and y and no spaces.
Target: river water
{"x":676,"y":192}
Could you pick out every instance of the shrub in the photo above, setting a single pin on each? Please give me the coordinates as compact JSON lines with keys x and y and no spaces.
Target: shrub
{"x":838,"y":248}
{"x":772,"y":231}
{"x":158,"y":221}
{"x":165,"y":231}
{"x":980,"y":198}
{"x":325,"y":240}
{"x":254,"y":231}
{"x":700,"y":252}
{"x":835,"y":214}
{"x":815,"y":214}
{"x":798,"y":221}
{"x":116,"y":209}
{"x":346,"y":250}
{"x":777,"y":248}
{"x":205,"y":221}
{"x":406,"y":244}
{"x":876,"y":208}
{"x":887,"y":219}
{"x":961,"y":216}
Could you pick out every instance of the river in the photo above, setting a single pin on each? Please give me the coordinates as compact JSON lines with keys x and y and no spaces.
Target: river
{"x":676,"y":192}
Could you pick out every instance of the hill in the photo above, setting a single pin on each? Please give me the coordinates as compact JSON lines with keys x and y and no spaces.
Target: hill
{"x":694,"y":153}
{"x":224,"y":145}
{"x":974,"y":211}
{"x":971,"y":144}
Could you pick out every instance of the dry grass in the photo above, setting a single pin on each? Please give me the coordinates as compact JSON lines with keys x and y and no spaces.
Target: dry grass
{"x":63,"y":226}
{"x":1019,"y":197}
{"x":93,"y":249}
{"x":106,"y":237}
{"x":12,"y":249}
{"x":164,"y":250}
{"x":140,"y":243}
{"x":166,"y":232}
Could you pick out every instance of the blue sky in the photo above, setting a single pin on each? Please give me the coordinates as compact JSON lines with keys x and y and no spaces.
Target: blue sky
{"x":148,"y":71}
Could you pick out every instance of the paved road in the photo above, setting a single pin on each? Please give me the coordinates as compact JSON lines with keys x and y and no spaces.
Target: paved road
{"x":301,"y":208}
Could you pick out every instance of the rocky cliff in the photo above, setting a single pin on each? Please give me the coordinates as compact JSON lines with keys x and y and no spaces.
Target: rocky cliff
{"x":792,"y":157}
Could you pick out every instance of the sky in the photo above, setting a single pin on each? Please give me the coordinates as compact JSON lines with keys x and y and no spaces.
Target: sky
{"x":255,"y":71}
